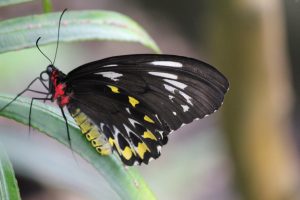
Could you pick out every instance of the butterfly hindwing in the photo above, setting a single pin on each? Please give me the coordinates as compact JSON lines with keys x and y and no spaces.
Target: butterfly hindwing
{"x":136,"y":134}
{"x":137,"y":100}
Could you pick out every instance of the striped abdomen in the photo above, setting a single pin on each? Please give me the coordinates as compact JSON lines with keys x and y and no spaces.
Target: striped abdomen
{"x":91,"y":131}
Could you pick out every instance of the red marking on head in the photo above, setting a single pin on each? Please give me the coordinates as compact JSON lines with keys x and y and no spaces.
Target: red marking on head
{"x":53,"y":77}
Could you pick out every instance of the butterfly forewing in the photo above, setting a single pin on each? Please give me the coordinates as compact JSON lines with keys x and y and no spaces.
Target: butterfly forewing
{"x":137,"y":100}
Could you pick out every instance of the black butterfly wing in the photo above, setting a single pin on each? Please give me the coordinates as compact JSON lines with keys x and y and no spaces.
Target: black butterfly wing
{"x":137,"y":100}
{"x":124,"y":127}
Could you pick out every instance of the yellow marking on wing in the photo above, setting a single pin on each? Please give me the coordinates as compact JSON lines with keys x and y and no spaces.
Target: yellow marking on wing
{"x":114,"y":142}
{"x":111,"y":141}
{"x":141,"y":149}
{"x":127,"y":153}
{"x":85,"y":126}
{"x":148,"y":119}
{"x":79,"y":119}
{"x":133,"y":101}
{"x":149,"y":134}
{"x":113,"y":89}
{"x":92,"y":134}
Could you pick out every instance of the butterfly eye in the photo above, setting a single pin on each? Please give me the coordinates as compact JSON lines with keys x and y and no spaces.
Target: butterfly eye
{"x":50,"y":69}
{"x":44,"y":76}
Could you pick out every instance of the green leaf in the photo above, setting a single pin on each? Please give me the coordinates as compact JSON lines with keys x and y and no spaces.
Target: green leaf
{"x":10,"y":2}
{"x":24,"y":150}
{"x":22,"y":32}
{"x":8,"y":183}
{"x":47,"y":6}
{"x":125,"y":181}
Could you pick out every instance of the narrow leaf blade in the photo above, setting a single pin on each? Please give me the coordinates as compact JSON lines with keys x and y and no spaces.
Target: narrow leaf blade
{"x":11,"y":2}
{"x":22,"y":32}
{"x":47,"y":6}
{"x":8,"y":183}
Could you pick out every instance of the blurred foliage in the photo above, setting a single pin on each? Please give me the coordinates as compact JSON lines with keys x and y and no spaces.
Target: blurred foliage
{"x":11,"y":2}
{"x":22,"y":32}
{"x":248,"y":39}
{"x":47,"y":6}
{"x":8,"y":184}
{"x":293,"y":32}
{"x":183,"y":14}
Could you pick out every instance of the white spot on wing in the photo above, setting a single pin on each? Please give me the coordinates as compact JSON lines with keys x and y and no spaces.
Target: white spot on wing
{"x":133,"y":122}
{"x":127,"y":109}
{"x":167,"y":63}
{"x":165,"y":75}
{"x":176,"y":83}
{"x":161,"y":133}
{"x":171,"y":97}
{"x":185,"y":108}
{"x":170,"y":88}
{"x":157,"y":118}
{"x":187,"y":97}
{"x":128,"y":130}
{"x":116,"y":131}
{"x":174,"y":113}
{"x":159,"y":149}
{"x":101,"y":126}
{"x":112,"y":75}
{"x":111,"y":65}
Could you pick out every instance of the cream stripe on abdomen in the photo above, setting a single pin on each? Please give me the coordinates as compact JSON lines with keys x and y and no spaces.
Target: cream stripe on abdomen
{"x":91,"y":131}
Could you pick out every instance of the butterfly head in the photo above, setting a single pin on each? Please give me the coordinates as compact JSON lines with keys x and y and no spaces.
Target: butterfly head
{"x":44,"y":76}
{"x":50,"y":69}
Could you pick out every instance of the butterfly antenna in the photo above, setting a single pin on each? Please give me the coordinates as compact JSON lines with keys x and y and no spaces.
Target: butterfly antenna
{"x":58,"y":31}
{"x":37,"y":45}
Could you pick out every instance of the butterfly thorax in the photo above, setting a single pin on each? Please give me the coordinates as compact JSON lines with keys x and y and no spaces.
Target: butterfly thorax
{"x":57,"y":86}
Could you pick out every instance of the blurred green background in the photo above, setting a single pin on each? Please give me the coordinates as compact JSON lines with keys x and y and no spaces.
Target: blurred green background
{"x":247,"y":150}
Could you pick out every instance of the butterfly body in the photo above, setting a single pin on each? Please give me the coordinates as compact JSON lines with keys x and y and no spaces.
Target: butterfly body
{"x":57,"y":86}
{"x":131,"y":103}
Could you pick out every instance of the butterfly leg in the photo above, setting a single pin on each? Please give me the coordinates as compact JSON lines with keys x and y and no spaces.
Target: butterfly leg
{"x":45,"y":86}
{"x":30,"y":109}
{"x":25,"y":90}
{"x":46,"y":97}
{"x":67,"y":125}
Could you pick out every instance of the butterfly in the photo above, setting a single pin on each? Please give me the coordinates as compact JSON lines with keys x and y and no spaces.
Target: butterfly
{"x":131,"y":103}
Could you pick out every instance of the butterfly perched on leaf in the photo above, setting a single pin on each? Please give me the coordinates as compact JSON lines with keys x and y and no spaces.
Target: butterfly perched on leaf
{"x":131,"y":103}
